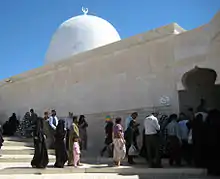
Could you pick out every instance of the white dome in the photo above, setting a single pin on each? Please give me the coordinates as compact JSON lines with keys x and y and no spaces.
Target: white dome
{"x":79,"y":34}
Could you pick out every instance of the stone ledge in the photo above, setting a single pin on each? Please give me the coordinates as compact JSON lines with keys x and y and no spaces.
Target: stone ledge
{"x":15,"y":169}
{"x":22,"y":152}
{"x":142,"y":170}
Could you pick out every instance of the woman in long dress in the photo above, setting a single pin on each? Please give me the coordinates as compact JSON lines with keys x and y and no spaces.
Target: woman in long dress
{"x":73,"y":133}
{"x":119,"y":143}
{"x":40,"y":159}
{"x":60,"y":147}
{"x":83,"y":132}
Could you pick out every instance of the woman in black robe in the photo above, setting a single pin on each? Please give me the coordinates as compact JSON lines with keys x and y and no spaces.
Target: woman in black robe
{"x":212,"y":145}
{"x":60,"y":147}
{"x":198,"y":136}
{"x":10,"y":127}
{"x":40,"y":159}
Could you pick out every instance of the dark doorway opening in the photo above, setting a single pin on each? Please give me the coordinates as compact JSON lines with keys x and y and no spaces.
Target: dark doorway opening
{"x":199,"y":83}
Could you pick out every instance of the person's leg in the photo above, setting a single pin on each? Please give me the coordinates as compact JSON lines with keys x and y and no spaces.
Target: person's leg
{"x":190,"y":153}
{"x":178,"y":152}
{"x":70,"y":151}
{"x":196,"y":154}
{"x":103,"y":150}
{"x":110,"y":150}
{"x":186,"y":152}
{"x":171,"y":150}
{"x":130,"y":158}
{"x":67,"y":140}
{"x":156,"y":146}
{"x":78,"y":158}
{"x":149,"y":150}
{"x":57,"y":156}
{"x":116,"y":152}
{"x":135,"y":144}
{"x":75,"y":159}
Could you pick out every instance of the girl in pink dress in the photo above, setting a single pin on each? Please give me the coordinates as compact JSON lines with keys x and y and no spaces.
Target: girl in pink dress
{"x":76,"y":152}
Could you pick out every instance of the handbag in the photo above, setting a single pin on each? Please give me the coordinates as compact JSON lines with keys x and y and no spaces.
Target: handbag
{"x":132,"y":151}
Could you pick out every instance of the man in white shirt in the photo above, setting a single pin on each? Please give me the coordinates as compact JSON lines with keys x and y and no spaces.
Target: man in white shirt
{"x":53,"y":122}
{"x":152,"y":127}
{"x":174,"y":138}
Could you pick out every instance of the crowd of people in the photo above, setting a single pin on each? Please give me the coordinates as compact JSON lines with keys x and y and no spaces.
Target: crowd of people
{"x":192,"y":138}
{"x":67,"y":137}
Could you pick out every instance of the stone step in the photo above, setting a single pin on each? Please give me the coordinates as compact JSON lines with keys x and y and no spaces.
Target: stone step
{"x":26,"y":156}
{"x":18,"y":139}
{"x":101,"y":176}
{"x":20,"y":150}
{"x":20,"y":158}
{"x":16,"y":143}
{"x":25,"y":168}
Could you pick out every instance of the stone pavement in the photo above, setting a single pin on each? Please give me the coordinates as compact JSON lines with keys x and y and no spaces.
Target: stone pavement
{"x":100,"y":176}
{"x":17,"y":154}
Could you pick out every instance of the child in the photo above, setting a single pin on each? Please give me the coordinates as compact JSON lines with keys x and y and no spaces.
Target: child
{"x":76,"y":152}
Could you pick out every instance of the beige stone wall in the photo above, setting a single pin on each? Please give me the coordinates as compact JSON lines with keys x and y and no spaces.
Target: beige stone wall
{"x":133,"y":78}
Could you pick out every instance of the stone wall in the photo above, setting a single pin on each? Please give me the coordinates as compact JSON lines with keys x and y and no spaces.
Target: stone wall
{"x":131,"y":78}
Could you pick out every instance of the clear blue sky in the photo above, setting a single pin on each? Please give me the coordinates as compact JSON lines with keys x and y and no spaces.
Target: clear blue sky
{"x":27,"y":25}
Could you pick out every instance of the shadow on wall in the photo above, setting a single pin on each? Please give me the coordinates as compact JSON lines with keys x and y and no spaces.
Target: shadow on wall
{"x":199,"y":84}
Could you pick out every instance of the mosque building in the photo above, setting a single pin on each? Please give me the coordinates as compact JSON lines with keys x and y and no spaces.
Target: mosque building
{"x":90,"y":70}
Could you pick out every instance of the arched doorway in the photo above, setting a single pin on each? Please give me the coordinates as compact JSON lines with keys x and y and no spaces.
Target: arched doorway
{"x":199,"y":83}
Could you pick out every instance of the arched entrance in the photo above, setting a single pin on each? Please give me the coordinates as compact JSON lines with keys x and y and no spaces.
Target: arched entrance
{"x":199,"y":83}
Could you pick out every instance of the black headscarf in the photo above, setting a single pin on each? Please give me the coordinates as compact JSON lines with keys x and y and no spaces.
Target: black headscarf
{"x":38,"y":129}
{"x":60,"y":130}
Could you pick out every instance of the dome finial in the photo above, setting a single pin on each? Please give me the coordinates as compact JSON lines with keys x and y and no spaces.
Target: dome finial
{"x":85,"y":10}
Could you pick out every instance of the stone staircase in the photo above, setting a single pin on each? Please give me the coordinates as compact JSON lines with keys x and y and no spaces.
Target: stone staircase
{"x":16,"y":155}
{"x":17,"y":149}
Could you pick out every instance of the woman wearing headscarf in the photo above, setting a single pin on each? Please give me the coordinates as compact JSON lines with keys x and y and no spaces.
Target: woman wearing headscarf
{"x":60,"y":147}
{"x":108,"y":137}
{"x":83,"y":132}
{"x":40,"y":159}
{"x":119,"y":142}
{"x":10,"y":127}
{"x":73,"y":133}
